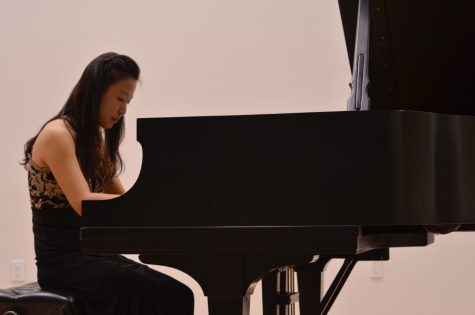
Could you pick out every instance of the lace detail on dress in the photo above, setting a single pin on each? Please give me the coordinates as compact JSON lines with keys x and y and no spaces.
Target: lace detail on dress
{"x":44,"y":190}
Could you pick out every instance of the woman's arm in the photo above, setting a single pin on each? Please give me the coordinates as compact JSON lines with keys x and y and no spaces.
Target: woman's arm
{"x":55,"y":148}
{"x":114,"y":187}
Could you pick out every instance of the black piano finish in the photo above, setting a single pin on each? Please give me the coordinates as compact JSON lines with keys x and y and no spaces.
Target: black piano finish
{"x":228,"y":199}
{"x":373,"y":168}
{"x":236,"y":197}
{"x":422,"y":55}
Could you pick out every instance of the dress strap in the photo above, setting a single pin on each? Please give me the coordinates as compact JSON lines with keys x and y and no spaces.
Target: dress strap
{"x":69,"y":125}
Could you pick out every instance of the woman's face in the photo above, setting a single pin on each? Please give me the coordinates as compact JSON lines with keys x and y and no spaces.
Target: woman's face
{"x":114,"y":102}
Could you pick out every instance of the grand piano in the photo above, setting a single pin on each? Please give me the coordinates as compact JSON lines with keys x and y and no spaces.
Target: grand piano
{"x":231,"y":200}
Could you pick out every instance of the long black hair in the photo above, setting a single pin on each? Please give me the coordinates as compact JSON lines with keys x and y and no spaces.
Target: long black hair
{"x":98,"y":154}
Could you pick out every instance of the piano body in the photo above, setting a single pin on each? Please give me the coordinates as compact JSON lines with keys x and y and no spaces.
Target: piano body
{"x":228,"y":199}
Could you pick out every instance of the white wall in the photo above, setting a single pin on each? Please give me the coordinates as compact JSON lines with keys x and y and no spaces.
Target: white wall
{"x":204,"y":57}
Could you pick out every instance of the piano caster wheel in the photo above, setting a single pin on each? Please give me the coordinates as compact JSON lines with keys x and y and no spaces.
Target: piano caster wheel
{"x":286,"y":295}
{"x":442,"y":229}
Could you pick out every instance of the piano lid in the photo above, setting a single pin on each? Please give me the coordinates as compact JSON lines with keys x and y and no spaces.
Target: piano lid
{"x":422,"y":54}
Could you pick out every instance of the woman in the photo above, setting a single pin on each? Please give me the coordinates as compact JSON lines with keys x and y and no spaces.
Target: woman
{"x":74,"y":157}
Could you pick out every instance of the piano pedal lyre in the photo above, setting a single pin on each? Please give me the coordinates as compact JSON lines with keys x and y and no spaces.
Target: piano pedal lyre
{"x":286,"y":291}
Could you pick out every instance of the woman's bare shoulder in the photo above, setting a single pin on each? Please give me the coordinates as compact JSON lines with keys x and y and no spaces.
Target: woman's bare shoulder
{"x":56,"y":133}
{"x":56,"y":130}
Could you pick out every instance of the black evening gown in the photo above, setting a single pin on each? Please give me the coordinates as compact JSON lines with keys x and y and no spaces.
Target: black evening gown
{"x":105,"y":285}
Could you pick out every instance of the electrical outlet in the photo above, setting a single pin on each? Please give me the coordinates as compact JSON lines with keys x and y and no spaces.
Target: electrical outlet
{"x":17,"y":270}
{"x":376,"y":269}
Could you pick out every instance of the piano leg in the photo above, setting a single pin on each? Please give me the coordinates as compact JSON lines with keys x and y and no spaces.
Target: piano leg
{"x":311,"y":298}
{"x":227,"y":280}
{"x":231,"y":305}
{"x":269,"y":293}
{"x":309,"y":279}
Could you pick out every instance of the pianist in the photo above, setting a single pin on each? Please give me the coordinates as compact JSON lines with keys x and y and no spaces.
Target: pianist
{"x":74,"y":157}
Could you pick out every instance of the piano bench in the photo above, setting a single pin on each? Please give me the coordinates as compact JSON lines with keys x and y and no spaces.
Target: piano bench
{"x":30,"y":299}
